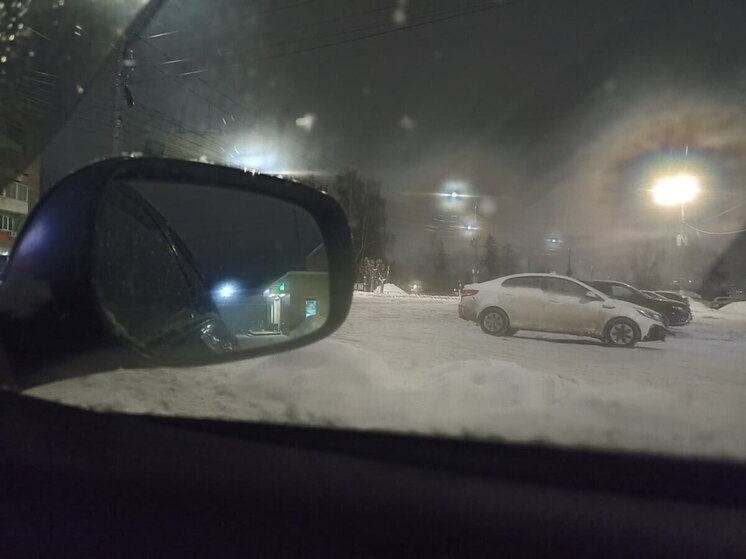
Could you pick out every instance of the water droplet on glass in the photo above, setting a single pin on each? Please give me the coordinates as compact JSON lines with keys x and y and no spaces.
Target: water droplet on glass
{"x":399,"y":17}
{"x":306,"y":122}
{"x":406,"y":123}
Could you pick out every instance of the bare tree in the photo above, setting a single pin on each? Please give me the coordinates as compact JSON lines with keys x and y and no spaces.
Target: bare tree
{"x":384,"y":271}
{"x":366,"y":213}
{"x":374,"y":273}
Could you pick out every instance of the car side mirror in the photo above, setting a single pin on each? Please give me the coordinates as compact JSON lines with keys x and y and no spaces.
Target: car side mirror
{"x":590,"y":296}
{"x":178,"y":263}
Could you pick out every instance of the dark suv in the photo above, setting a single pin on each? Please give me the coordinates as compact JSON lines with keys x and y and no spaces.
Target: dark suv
{"x":675,"y":312}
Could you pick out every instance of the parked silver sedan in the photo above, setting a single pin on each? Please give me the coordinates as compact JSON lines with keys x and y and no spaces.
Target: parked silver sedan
{"x":553,"y":303}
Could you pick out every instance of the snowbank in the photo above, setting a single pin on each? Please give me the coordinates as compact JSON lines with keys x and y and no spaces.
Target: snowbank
{"x":408,"y":364}
{"x":336,"y":384}
{"x":698,"y":307}
{"x":391,"y":289}
{"x":735,"y":308}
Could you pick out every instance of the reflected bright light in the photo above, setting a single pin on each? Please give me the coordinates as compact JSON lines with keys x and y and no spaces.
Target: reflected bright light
{"x":226,"y":291}
{"x":675,"y":190}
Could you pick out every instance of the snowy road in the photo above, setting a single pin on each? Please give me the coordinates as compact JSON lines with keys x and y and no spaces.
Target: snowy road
{"x":409,"y":364}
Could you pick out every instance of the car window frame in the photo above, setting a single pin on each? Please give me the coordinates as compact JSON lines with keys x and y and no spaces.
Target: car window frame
{"x":546,"y":280}
{"x":632,"y":294}
{"x":506,"y":285}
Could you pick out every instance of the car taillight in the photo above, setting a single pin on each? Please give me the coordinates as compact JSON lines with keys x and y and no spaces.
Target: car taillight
{"x":469,"y":292}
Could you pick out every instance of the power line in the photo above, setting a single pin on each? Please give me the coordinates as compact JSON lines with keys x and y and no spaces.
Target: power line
{"x":142,"y":131}
{"x":450,"y":15}
{"x":724,"y":212}
{"x":737,"y":231}
{"x":223,"y":95}
{"x":304,"y":25}
{"x":288,"y":6}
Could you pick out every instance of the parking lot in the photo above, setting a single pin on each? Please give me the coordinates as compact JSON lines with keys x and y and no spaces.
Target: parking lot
{"x":410,"y":364}
{"x":421,"y":332}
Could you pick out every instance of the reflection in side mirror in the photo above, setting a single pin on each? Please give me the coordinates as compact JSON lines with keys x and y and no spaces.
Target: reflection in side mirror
{"x":193,"y":270}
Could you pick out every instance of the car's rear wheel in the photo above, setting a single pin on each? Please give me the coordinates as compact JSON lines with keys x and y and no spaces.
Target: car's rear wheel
{"x":622,"y":332}
{"x":494,"y":322}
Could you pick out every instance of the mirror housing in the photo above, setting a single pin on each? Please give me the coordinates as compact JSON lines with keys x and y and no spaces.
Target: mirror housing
{"x":591,"y":296}
{"x":54,"y":322}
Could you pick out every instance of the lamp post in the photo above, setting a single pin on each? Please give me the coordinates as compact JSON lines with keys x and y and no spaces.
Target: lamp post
{"x":677,"y":190}
{"x":456,"y":192}
{"x":473,"y":227}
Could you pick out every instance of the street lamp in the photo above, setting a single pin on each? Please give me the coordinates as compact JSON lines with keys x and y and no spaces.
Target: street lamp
{"x":226,"y":291}
{"x":677,"y":190}
{"x":456,"y":192}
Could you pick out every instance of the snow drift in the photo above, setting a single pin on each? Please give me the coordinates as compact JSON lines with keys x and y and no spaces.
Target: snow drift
{"x":409,"y":365}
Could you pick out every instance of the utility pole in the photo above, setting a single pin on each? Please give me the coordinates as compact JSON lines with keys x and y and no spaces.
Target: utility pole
{"x":475,"y":245}
{"x":682,"y":241}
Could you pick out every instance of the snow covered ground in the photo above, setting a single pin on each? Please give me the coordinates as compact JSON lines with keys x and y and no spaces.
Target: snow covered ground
{"x":407,"y":363}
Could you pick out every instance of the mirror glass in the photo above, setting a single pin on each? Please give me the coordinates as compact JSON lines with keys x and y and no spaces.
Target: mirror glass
{"x":184,"y":269}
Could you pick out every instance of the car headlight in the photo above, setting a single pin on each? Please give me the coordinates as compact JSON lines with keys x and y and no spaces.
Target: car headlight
{"x":652,"y":315}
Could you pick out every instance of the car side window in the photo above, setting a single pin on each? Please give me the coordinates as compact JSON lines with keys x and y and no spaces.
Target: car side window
{"x":531,"y":282}
{"x":559,"y":286}
{"x":620,"y":292}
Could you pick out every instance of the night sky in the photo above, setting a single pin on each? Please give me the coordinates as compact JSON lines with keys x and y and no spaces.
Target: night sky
{"x":558,"y":114}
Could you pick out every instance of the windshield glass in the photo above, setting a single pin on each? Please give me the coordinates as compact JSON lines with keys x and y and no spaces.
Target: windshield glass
{"x":467,"y":141}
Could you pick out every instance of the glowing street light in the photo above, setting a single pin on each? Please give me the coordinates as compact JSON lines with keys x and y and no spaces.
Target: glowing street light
{"x":675,"y":190}
{"x":226,"y":291}
{"x":452,"y":195}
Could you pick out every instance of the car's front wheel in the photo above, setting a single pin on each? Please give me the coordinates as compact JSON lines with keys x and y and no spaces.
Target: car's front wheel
{"x":622,"y":332}
{"x":494,"y":322}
